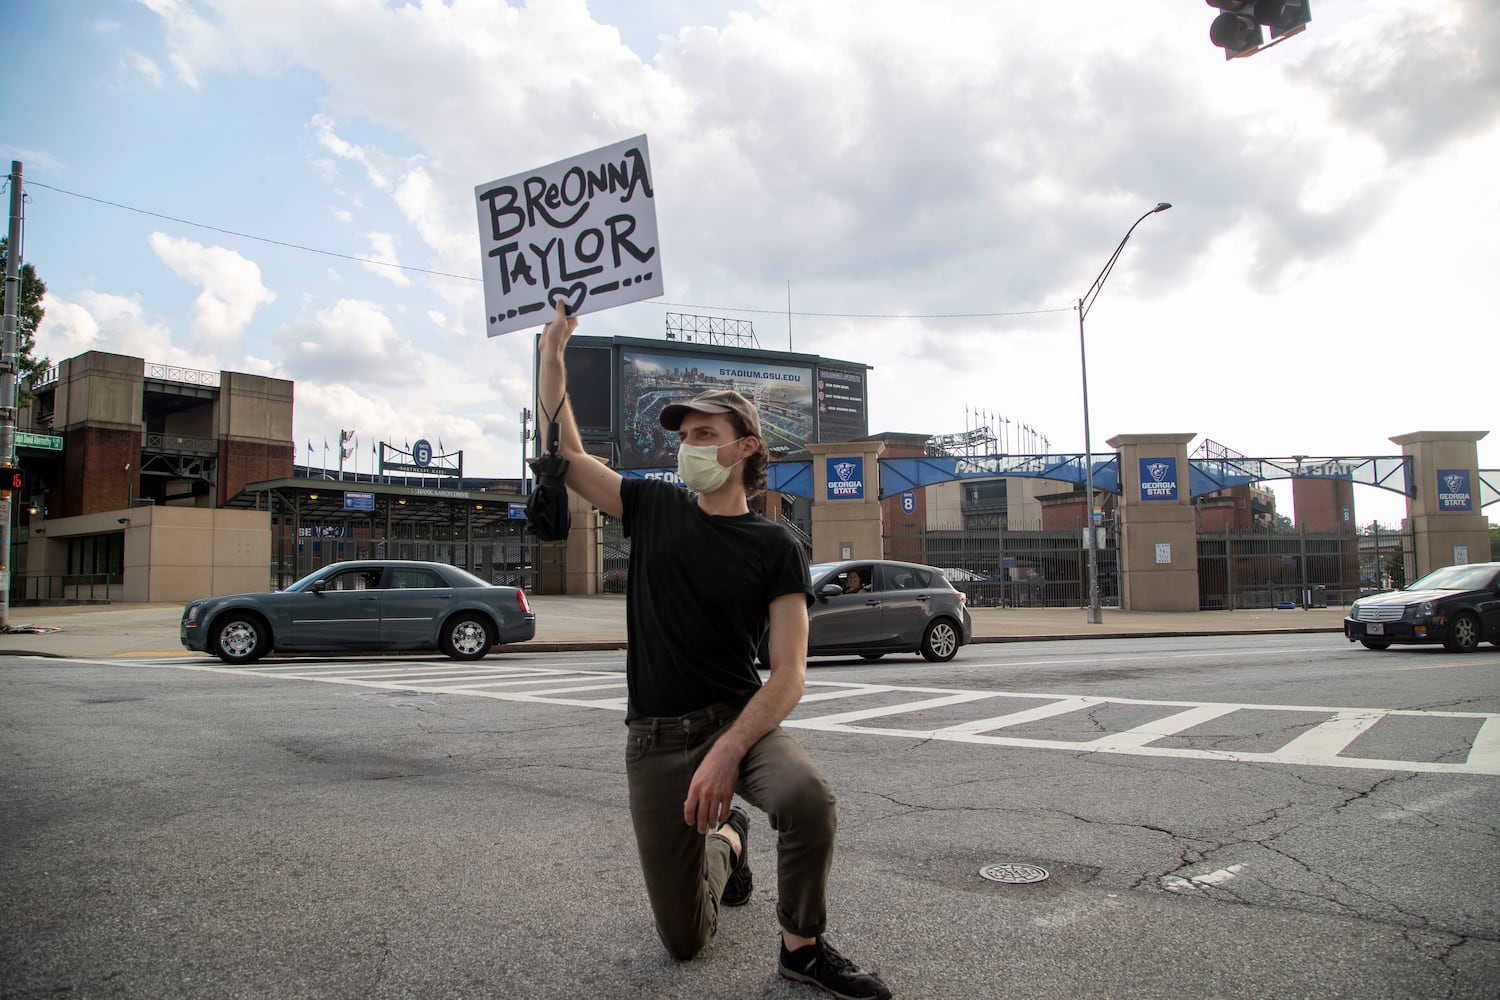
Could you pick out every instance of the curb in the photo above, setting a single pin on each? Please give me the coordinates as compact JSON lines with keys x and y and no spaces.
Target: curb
{"x":1156,"y":635}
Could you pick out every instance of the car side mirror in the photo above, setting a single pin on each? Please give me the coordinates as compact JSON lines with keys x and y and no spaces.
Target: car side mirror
{"x":319,"y":586}
{"x":831,"y":590}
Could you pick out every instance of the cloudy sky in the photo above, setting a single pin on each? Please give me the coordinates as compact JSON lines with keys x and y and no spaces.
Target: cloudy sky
{"x":935,"y":183}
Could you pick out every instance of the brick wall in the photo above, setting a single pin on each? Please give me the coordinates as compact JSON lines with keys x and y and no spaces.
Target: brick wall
{"x":242,"y":462}
{"x":94,"y":475}
{"x":1319,"y":506}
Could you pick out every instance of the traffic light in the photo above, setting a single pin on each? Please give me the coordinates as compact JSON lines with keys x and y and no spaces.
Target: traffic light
{"x":1237,"y":28}
{"x":1283,"y":17}
{"x":14,"y":480}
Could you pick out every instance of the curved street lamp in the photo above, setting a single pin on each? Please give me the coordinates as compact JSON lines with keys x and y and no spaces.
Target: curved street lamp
{"x":1085,"y":303}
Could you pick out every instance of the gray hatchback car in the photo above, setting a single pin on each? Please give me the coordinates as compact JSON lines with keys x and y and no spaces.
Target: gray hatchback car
{"x":868,"y":608}
{"x":360,"y":607}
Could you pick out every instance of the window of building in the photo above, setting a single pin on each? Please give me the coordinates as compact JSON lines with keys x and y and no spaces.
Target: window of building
{"x":95,"y":556}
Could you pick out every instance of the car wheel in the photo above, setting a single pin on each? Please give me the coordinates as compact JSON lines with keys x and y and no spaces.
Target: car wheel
{"x":239,"y":639}
{"x":1375,"y":643}
{"x":1463,"y":633}
{"x":940,"y":642}
{"x":466,"y":637}
{"x":871,"y":656}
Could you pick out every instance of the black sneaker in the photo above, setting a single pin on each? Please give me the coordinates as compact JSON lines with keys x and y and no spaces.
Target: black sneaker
{"x":821,"y":965}
{"x":737,"y":889}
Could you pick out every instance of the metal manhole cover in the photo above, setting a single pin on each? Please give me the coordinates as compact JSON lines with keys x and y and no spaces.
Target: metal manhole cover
{"x":1012,"y":874}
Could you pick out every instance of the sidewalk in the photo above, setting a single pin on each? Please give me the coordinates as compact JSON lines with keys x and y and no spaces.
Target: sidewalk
{"x":566,"y":623}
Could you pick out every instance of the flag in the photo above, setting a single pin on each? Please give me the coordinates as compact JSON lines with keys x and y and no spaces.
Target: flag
{"x":309,"y":446}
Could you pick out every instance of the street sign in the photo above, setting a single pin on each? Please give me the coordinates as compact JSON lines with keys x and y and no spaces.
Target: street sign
{"x":46,"y":442}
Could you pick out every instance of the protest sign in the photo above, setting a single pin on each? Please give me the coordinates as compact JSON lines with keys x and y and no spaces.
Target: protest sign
{"x":582,"y":230}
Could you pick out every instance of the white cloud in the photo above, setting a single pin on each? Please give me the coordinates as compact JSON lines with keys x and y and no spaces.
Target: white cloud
{"x":146,"y":67}
{"x":351,"y":341}
{"x":325,"y":136}
{"x":98,"y":321}
{"x":382,"y":259}
{"x":232,"y":288}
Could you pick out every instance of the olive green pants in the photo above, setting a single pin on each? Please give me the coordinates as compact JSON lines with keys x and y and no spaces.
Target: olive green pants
{"x":684,"y":871}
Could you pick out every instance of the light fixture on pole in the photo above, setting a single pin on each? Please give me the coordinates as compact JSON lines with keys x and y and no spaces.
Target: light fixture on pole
{"x":1095,"y":613}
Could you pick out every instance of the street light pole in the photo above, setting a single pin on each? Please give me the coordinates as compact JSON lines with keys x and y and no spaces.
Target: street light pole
{"x":1085,"y":303}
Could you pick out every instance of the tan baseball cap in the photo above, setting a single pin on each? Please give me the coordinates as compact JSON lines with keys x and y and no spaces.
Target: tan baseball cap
{"x":713,"y":401}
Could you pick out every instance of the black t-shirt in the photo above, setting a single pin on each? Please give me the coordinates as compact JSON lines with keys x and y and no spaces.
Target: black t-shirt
{"x":698,"y":596}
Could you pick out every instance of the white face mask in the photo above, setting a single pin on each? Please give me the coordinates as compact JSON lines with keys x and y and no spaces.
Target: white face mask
{"x":698,"y":465}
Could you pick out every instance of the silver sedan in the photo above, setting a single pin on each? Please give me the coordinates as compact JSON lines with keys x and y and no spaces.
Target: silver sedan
{"x":871,"y":607}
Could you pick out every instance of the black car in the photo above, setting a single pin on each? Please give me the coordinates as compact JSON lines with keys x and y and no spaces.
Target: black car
{"x":360,"y":607}
{"x":1458,"y":606}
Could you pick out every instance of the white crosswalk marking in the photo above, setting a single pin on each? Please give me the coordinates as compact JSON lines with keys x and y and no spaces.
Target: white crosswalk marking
{"x":1060,"y":707}
{"x":1331,"y":737}
{"x":1150,"y":732}
{"x":1326,"y":743}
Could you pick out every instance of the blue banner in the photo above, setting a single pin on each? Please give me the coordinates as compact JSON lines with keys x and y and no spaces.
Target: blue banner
{"x":845,"y":477}
{"x":1159,"y":478}
{"x":1455,"y":492}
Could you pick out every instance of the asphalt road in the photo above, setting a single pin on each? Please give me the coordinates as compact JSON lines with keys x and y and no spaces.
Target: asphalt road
{"x":1218,"y":816}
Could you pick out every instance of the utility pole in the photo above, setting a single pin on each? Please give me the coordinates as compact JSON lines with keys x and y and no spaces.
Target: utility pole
{"x":8,"y":382}
{"x":525,"y":445}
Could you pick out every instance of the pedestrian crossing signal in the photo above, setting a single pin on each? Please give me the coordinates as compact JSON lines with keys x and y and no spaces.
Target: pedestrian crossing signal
{"x":14,"y":480}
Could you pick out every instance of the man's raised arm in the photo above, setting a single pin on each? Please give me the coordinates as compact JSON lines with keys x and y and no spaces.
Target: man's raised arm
{"x":587,"y":476}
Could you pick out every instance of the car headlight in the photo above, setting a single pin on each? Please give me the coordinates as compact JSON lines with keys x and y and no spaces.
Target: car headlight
{"x":191,"y":616}
{"x":1423,"y":610}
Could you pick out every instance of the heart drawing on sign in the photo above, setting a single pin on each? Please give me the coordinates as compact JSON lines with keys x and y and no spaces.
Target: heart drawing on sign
{"x":572,"y":296}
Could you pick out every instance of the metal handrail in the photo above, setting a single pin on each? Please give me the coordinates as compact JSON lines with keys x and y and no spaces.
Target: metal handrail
{"x":174,"y":373}
{"x":179,"y":443}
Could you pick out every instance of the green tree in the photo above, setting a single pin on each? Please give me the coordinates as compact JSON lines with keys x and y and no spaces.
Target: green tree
{"x":28,"y":318}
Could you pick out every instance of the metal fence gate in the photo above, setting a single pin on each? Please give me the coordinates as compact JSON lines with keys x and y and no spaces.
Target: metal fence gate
{"x":502,"y":553}
{"x":614,"y":555}
{"x":1003,"y":568}
{"x":1049,"y":569}
{"x":1263,"y":570}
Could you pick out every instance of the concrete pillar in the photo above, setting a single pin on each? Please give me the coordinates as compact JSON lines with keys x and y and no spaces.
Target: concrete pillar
{"x":846,"y":511}
{"x":252,"y":420}
{"x":1157,"y":523}
{"x":573,"y":565}
{"x":97,"y":412}
{"x":1445,"y":517}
